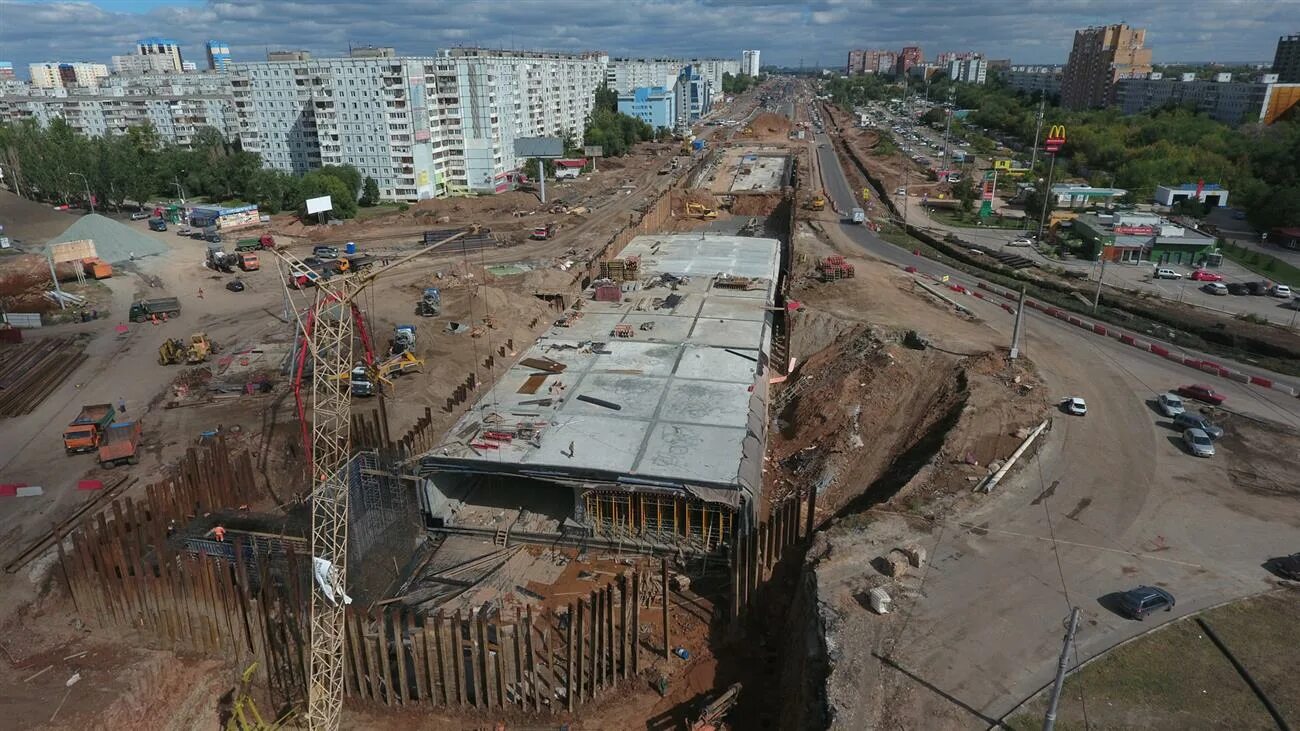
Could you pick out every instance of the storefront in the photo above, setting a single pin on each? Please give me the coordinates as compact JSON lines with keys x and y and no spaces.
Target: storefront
{"x":224,"y":219}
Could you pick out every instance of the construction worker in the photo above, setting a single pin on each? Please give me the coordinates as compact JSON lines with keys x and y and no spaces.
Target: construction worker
{"x":220,"y":533}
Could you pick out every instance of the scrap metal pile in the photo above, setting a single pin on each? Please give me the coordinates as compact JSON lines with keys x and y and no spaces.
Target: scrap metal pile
{"x":31,"y":371}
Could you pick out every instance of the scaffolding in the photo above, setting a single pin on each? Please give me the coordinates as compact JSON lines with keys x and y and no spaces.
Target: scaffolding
{"x":664,"y":518}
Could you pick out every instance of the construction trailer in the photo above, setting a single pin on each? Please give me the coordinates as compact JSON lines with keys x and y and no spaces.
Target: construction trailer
{"x":643,"y":418}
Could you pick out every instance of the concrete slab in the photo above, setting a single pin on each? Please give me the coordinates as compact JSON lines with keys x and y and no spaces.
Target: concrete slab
{"x":704,"y":402}
{"x":727,"y":333}
{"x":667,"y":328}
{"x":716,"y":364}
{"x":726,"y":308}
{"x":637,"y":395}
{"x":599,"y":442}
{"x":694,"y":453}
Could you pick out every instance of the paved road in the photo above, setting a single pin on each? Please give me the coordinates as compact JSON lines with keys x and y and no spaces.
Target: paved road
{"x":1111,"y":501}
{"x":838,"y":190}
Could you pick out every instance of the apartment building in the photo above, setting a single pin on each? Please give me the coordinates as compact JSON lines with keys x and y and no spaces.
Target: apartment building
{"x":218,"y":55}
{"x":421,"y":126}
{"x":625,"y":75}
{"x":907,"y":58}
{"x":165,"y":47}
{"x":55,"y":75}
{"x":654,"y":105}
{"x":176,"y":106}
{"x":371,"y":113}
{"x":1228,"y":101}
{"x":1034,"y":79}
{"x":7,"y":71}
{"x":749,"y":62}
{"x":1102,"y":55}
{"x":1286,"y":59}
{"x":970,"y":70}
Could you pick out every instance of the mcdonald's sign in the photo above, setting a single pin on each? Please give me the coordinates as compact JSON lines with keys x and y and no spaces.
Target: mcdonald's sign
{"x":1055,"y":139}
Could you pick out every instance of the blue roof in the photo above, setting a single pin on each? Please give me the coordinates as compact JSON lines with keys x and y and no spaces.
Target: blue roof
{"x":1192,"y":186}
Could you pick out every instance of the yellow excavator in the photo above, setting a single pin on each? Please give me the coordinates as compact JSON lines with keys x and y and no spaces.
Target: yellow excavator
{"x":700,"y":210}
{"x":816,"y":203}
{"x":175,"y":351}
{"x":365,"y":380}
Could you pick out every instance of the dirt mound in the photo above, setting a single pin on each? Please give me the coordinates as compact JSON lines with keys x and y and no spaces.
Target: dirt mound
{"x":769,"y":124}
{"x":755,"y":205}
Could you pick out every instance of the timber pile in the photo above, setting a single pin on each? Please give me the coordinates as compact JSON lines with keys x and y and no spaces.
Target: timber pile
{"x":31,"y":371}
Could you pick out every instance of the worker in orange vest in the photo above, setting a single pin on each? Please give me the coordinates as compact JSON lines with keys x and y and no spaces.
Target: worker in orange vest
{"x":220,"y":533}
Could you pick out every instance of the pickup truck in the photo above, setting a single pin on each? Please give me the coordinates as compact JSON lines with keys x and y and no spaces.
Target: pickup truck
{"x":142,"y":310}
{"x":120,"y":445}
{"x":84,"y":432}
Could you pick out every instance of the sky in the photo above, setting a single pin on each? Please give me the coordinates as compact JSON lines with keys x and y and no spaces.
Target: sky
{"x":818,"y":32}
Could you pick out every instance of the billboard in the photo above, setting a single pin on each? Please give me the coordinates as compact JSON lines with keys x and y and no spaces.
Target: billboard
{"x":72,"y":251}
{"x":319,"y":205}
{"x":539,"y":147}
{"x":593,"y":151}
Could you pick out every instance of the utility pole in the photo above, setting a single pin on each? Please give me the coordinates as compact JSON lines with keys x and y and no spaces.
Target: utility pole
{"x":1015,"y":329}
{"x":1096,"y":298}
{"x":907,"y":181}
{"x":1037,"y":131}
{"x":1047,"y":196}
{"x":1049,"y":721}
{"x":90,"y":200}
{"x":948,"y":125}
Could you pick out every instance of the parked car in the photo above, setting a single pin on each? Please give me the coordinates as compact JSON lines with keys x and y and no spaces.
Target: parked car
{"x":325,"y":252}
{"x":1167,"y":273}
{"x":1200,"y":275}
{"x":184,"y":231}
{"x":1198,"y":442}
{"x":1075,"y":405}
{"x":235,"y":285}
{"x":1170,"y":405}
{"x":1259,"y":289}
{"x":1202,"y":392}
{"x":1215,"y":288}
{"x":1143,"y":600}
{"x":1281,"y":291}
{"x":1288,"y":567}
{"x":1238,"y":288}
{"x":1022,"y":241}
{"x":1186,"y":421}
{"x":140,"y":215}
{"x":900,"y":191}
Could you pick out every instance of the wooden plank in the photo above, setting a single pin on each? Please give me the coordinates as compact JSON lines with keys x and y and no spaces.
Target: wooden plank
{"x":419,"y":658}
{"x":580,"y":686}
{"x":373,"y":669}
{"x":500,"y":662}
{"x":385,"y":663}
{"x":568,"y":659}
{"x":484,"y":662}
{"x":636,"y":622}
{"x":474,"y":681}
{"x":458,"y":659}
{"x":534,"y":681}
{"x":398,"y":624}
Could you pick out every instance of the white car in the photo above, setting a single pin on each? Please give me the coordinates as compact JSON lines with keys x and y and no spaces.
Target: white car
{"x":900,"y":191}
{"x":1167,"y":273}
{"x":1281,"y":291}
{"x":1075,"y":405}
{"x":1171,"y":404}
{"x":1022,"y":241}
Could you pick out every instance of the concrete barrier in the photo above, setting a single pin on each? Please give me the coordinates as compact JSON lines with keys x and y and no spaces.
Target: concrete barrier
{"x":1238,"y":377}
{"x":1159,"y":350}
{"x":1127,"y":339}
{"x":1099,"y":329}
{"x":1261,"y":381}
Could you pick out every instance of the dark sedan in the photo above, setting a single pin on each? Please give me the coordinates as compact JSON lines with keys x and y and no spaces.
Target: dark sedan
{"x":1143,"y":600}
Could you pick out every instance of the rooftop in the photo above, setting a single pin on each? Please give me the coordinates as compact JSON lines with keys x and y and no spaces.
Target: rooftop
{"x":680,"y":401}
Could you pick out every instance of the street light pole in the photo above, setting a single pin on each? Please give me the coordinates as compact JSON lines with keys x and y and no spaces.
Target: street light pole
{"x":90,"y":200}
{"x":1038,"y":129}
{"x":1047,"y":196}
{"x":178,"y":187}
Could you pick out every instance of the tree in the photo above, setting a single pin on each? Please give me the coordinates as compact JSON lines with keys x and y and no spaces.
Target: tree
{"x":606,"y":100}
{"x":370,"y":192}
{"x":346,"y":174}
{"x":964,"y":191}
{"x":934,"y":116}
{"x":318,"y":183}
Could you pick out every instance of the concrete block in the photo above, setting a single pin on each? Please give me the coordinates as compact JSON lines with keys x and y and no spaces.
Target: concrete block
{"x":915,"y":554}
{"x":895,"y":564}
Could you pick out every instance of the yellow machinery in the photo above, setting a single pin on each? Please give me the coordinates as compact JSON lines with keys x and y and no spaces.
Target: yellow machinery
{"x":244,"y":715}
{"x":816,"y":203}
{"x":364,"y":380}
{"x":175,"y":351}
{"x":701,"y":210}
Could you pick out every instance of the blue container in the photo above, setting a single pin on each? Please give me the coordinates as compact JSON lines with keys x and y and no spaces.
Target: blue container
{"x":351,"y":248}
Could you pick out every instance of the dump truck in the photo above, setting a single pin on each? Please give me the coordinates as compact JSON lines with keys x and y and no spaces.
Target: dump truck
{"x":248,"y":261}
{"x":265,"y":242}
{"x":120,"y":445}
{"x":542,"y":233}
{"x":163,"y":307}
{"x":84,"y":432}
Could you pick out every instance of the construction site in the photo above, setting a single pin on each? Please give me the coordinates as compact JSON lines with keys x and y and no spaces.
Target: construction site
{"x":624,"y":472}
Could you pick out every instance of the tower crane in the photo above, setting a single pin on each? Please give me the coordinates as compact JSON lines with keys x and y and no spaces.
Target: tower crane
{"x":327,"y":327}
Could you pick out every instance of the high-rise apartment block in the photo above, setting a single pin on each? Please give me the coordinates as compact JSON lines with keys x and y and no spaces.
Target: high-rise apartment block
{"x":7,"y":71}
{"x":971,"y":70}
{"x":749,"y":63}
{"x":1101,"y":56}
{"x":61,"y":75}
{"x":177,"y":106}
{"x":164,"y":47}
{"x":1032,"y":79}
{"x":218,"y":55}
{"x":421,"y":126}
{"x":907,"y":58}
{"x":1259,"y":100}
{"x":1286,"y":60}
{"x":871,"y":62}
{"x":625,"y":75}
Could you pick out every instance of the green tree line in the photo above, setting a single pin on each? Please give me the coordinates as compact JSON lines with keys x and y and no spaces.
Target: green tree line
{"x":47,"y":164}
{"x":1258,"y":164}
{"x":738,"y":83}
{"x":613,"y":131}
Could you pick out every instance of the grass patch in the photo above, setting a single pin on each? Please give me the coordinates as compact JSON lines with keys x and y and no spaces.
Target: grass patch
{"x":1175,"y":678}
{"x":1265,"y":265}
{"x":379,"y":209}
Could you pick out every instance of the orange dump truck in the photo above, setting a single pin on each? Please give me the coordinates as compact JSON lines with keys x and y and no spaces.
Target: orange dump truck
{"x":97,"y":268}
{"x":120,"y":445}
{"x":86,"y":431}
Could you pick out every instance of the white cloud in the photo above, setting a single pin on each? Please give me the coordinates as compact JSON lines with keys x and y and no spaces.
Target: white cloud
{"x":818,"y":31}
